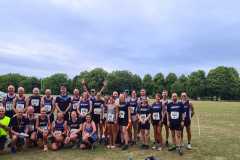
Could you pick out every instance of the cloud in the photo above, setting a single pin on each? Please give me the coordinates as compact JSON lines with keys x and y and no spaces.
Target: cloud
{"x":48,"y":36}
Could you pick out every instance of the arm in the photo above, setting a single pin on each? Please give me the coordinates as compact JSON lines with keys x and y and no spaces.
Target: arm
{"x":94,"y":129}
{"x":193,"y":111}
{"x":90,"y":107}
{"x":85,"y":89}
{"x":104,"y":86}
{"x":129,"y":115}
{"x":57,"y":106}
{"x":65,"y":128}
{"x":15,"y":105}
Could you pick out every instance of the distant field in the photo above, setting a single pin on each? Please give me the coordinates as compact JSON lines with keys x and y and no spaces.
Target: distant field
{"x":217,"y":137}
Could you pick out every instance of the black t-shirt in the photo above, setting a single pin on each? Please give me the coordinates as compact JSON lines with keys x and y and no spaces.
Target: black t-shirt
{"x":175,"y":111}
{"x":63,"y":102}
{"x":73,"y":125}
{"x":144,"y":111}
{"x":19,"y":124}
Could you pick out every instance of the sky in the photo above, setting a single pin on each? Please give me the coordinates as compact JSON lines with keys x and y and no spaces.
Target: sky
{"x":43,"y":37}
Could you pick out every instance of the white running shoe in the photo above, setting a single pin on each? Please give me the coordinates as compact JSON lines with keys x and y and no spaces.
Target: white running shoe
{"x":189,"y":147}
{"x":154,"y":147}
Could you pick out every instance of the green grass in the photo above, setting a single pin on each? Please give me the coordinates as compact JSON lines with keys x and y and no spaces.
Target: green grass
{"x":219,"y":139}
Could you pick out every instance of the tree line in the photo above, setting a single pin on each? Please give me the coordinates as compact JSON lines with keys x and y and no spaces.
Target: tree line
{"x":221,"y":82}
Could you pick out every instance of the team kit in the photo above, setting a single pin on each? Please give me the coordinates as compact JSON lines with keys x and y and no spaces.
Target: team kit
{"x":82,"y":121}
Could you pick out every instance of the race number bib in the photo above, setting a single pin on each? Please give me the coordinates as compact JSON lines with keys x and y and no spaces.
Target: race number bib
{"x":143,"y":117}
{"x":48,"y":107}
{"x":156,"y":116}
{"x":35,"y":102}
{"x":110,"y":117}
{"x":19,"y":106}
{"x":73,"y":130}
{"x":75,"y":105}
{"x":132,"y":109}
{"x":84,"y":111}
{"x":9,"y":106}
{"x":121,"y":114}
{"x":174,"y":115}
{"x":58,"y":133}
{"x":97,"y":111}
{"x":105,"y":115}
{"x":44,"y":128}
{"x":31,"y":127}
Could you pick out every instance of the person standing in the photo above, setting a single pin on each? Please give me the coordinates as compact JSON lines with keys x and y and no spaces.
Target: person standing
{"x":189,"y":112}
{"x":63,"y":102}
{"x":8,"y":101}
{"x":175,"y":119}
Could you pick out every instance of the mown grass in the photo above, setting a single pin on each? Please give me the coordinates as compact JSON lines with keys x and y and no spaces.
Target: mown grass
{"x":219,"y":139}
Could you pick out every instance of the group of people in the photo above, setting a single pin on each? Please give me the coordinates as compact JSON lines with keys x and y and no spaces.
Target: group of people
{"x":82,"y":120}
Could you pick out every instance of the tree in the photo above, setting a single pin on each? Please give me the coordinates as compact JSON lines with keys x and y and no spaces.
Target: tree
{"x":223,"y":82}
{"x":29,"y":83}
{"x":54,"y":81}
{"x":180,"y":85}
{"x":11,"y":78}
{"x":170,"y":80}
{"x":148,"y":84}
{"x":196,"y":86}
{"x":122,"y":80}
{"x":158,"y":80}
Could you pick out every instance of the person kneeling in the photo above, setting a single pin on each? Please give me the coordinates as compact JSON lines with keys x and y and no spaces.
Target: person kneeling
{"x":89,"y":135}
{"x":59,"y":131}
{"x":74,"y":130}
{"x":43,"y":127}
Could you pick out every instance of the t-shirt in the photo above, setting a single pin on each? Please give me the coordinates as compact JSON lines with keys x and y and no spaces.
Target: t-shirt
{"x":73,"y":125}
{"x":19,"y":124}
{"x":5,"y":122}
{"x":144,"y":112}
{"x":63,"y":102}
{"x":175,"y":111}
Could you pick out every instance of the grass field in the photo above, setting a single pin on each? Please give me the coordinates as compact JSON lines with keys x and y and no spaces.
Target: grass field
{"x":217,"y":137}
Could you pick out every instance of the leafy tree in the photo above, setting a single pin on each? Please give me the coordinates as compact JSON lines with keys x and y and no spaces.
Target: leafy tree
{"x":169,"y":81}
{"x":158,"y":80}
{"x":223,"y":82}
{"x":11,"y":78}
{"x":180,"y":85}
{"x":148,"y":84}
{"x":54,"y":81}
{"x":196,"y":86}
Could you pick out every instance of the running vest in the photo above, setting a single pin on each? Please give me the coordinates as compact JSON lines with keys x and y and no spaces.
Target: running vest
{"x":133,"y":104}
{"x":8,"y":104}
{"x":187,"y":110}
{"x":43,"y":123}
{"x":75,"y":103}
{"x":111,"y":113}
{"x":156,"y":111}
{"x":35,"y":102}
{"x":20,"y":103}
{"x":123,"y":112}
{"x":48,"y":104}
{"x":84,"y":107}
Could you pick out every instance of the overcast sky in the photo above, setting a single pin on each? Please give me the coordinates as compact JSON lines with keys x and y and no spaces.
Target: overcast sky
{"x":42,"y":37}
